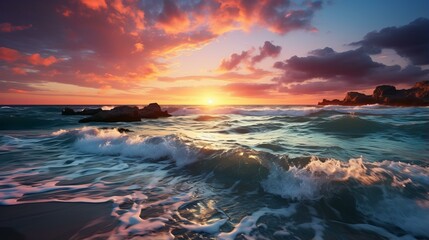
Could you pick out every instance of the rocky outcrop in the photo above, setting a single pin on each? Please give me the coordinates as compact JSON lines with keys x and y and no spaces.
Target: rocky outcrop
{"x":119,"y":114}
{"x":86,"y":111}
{"x":153,"y":110}
{"x":356,"y":97}
{"x":418,"y":95}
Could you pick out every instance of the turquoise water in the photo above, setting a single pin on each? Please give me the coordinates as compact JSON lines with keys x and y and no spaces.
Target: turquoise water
{"x":227,"y":172}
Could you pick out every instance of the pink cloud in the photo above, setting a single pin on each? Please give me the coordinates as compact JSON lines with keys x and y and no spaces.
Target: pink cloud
{"x":172,"y":19}
{"x":123,"y":43}
{"x":8,"y":54}
{"x":94,"y":4}
{"x":36,"y":59}
{"x":268,"y":50}
{"x":19,"y":71}
{"x":234,"y":60}
{"x":8,"y":27}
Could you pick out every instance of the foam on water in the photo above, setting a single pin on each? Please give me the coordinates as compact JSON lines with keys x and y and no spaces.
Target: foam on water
{"x":112,"y":142}
{"x":309,"y":181}
{"x":248,"y":223}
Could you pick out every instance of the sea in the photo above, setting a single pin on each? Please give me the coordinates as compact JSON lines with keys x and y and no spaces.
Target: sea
{"x":216,"y":172}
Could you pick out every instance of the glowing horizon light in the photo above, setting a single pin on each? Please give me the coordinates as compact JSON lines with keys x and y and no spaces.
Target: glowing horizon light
{"x":210,"y":101}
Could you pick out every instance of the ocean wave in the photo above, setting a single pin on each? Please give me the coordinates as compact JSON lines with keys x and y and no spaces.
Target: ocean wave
{"x":313,"y":180}
{"x":374,"y":109}
{"x":279,"y":174}
{"x":112,"y":142}
{"x":247,"y":111}
{"x":294,"y":111}
{"x":350,"y":125}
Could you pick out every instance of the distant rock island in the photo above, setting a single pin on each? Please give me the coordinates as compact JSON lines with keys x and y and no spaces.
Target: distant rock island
{"x":119,"y":114}
{"x":418,"y":95}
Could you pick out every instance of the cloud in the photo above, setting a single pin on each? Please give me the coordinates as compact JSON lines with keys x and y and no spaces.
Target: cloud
{"x":268,"y":50}
{"x":233,"y":62}
{"x":15,"y":87}
{"x":19,"y":71}
{"x":410,"y":41}
{"x":221,"y":16}
{"x":94,"y":4}
{"x":8,"y":27}
{"x":172,"y":19}
{"x":123,"y":43}
{"x":327,"y":70}
{"x":12,"y":55}
{"x":272,"y":16}
{"x":36,"y":59}
{"x":8,"y":54}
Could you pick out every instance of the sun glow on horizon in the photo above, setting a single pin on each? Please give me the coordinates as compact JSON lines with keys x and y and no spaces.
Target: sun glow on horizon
{"x":210,"y":101}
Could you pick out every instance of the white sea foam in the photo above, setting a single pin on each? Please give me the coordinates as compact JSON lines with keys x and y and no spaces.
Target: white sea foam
{"x":111,"y":142}
{"x":107,"y":107}
{"x":248,"y":223}
{"x":309,"y":181}
{"x":208,"y":228}
{"x":59,"y":132}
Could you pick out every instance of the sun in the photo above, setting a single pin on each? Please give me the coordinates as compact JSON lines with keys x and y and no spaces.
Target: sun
{"x":210,"y":101}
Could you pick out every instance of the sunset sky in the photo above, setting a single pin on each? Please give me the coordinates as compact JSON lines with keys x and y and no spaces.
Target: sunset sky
{"x":193,"y":52}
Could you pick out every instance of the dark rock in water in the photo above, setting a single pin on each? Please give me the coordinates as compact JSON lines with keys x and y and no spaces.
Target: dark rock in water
{"x":418,"y":95}
{"x":355,"y":98}
{"x":153,"y":110}
{"x":68,"y":111}
{"x":120,"y":114}
{"x":121,"y":130}
{"x":117,"y":114}
{"x":330,"y":102}
{"x":380,"y":92}
{"x":89,"y":111}
{"x":86,"y":111}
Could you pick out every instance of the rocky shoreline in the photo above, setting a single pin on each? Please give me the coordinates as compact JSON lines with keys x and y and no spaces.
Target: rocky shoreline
{"x":418,"y":95}
{"x":119,"y":114}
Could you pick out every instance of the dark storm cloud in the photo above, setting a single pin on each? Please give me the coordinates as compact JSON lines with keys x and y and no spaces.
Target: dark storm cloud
{"x":410,"y":41}
{"x":341,"y":71}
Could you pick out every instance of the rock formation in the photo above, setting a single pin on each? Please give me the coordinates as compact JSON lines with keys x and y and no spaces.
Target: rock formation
{"x":86,"y":111}
{"x":153,"y":110}
{"x":418,"y":95}
{"x":119,"y":114}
